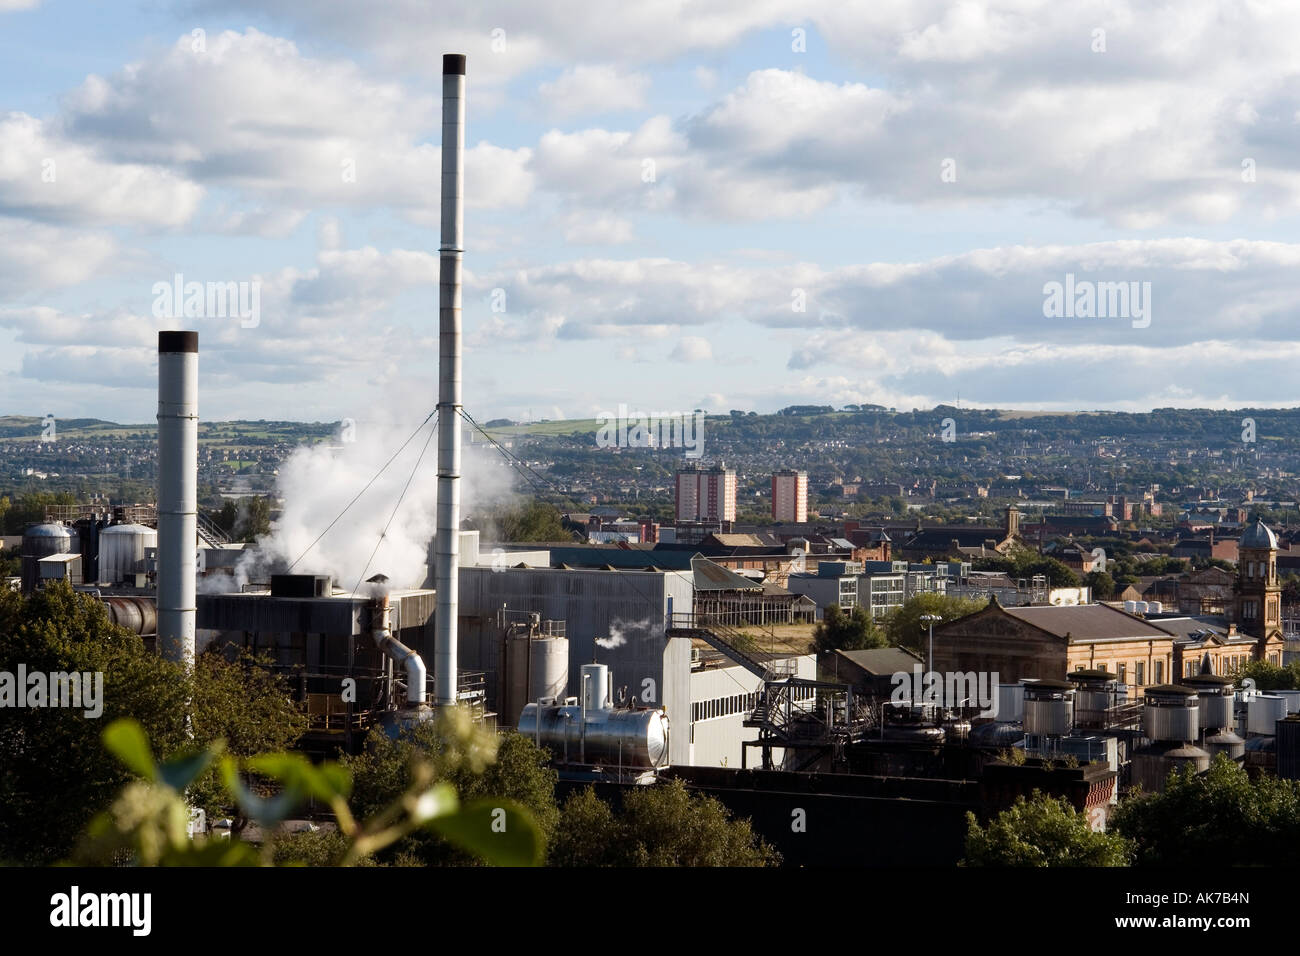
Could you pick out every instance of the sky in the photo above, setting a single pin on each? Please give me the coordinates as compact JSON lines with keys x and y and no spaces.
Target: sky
{"x":721,"y":204}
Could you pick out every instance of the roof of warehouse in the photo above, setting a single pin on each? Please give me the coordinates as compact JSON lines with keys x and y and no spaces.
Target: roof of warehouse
{"x":1086,"y":622}
{"x":622,"y":558}
{"x":883,"y":660}
{"x":710,"y":576}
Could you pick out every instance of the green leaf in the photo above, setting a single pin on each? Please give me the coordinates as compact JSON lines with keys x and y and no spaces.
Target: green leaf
{"x":215,"y":852}
{"x":267,"y":813}
{"x":126,"y":740}
{"x":179,"y":772}
{"x":500,"y":832}
{"x":296,"y":771}
{"x":438,"y":801}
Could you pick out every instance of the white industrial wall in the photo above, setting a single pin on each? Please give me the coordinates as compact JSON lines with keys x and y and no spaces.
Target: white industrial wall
{"x":628,"y":606}
{"x":718,"y":741}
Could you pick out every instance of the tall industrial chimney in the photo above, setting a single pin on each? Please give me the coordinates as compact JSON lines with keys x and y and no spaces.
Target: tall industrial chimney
{"x":450,"y":252}
{"x":178,"y":462}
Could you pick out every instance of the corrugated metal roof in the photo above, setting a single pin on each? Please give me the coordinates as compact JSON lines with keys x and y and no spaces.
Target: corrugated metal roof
{"x":710,"y":576}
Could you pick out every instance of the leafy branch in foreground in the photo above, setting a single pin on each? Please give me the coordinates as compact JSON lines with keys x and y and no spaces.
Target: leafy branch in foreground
{"x":147,"y":824}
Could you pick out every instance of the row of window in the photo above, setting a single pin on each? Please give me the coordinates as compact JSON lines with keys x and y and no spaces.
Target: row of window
{"x":1229,"y":665}
{"x":740,"y":703}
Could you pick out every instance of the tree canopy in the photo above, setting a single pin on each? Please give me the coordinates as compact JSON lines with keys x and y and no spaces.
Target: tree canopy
{"x":56,"y":773}
{"x":1221,"y":815}
{"x":662,"y":825}
{"x":855,"y":631}
{"x":1042,"y":831}
{"x":905,"y":628}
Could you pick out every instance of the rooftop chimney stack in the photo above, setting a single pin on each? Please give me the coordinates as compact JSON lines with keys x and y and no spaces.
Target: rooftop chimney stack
{"x":178,"y":461}
{"x":450,"y":253}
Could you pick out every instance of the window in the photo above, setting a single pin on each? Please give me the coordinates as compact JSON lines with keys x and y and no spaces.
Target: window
{"x":1160,"y":672}
{"x":1249,"y":610}
{"x":1272,"y":659}
{"x":1140,"y":673}
{"x":1189,"y":669}
{"x":1123,"y":672}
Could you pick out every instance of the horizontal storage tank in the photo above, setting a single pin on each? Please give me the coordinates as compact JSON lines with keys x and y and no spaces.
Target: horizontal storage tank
{"x":1172,"y":714}
{"x":1049,"y":708}
{"x":139,"y":615}
{"x":547,"y":658}
{"x":1130,"y":607}
{"x":121,"y":549}
{"x":1262,"y":714}
{"x":635,"y":739}
{"x":1156,"y":607}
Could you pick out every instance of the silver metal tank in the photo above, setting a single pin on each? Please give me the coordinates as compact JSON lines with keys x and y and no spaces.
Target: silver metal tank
{"x":613,"y":738}
{"x":1049,"y":708}
{"x":41,"y":541}
{"x":1011,"y":702}
{"x":1262,"y":714}
{"x":1216,"y":694}
{"x":1172,"y":713}
{"x":139,"y":615}
{"x":548,"y":660}
{"x":1152,"y":764}
{"x":1097,"y":693}
{"x":121,"y":548}
{"x":594,"y":687}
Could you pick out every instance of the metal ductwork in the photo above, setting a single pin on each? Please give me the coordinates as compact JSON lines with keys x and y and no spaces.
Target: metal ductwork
{"x":178,"y":454}
{"x":399,"y":652}
{"x":450,"y":254}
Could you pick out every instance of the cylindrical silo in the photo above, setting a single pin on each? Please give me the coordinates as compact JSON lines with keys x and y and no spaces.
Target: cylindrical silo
{"x":1171,"y":720}
{"x":536,"y":667}
{"x":121,"y":549}
{"x":41,"y":541}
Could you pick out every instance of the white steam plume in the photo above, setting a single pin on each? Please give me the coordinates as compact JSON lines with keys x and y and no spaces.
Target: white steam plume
{"x":316,"y":482}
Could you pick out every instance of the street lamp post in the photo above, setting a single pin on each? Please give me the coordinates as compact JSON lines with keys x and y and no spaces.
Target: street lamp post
{"x":930,"y":619}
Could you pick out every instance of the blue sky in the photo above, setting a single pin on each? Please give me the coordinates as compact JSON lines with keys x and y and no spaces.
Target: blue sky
{"x":1118,"y":142}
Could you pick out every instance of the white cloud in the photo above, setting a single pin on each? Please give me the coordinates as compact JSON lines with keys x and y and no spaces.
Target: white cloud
{"x":598,"y":88}
{"x":692,"y":348}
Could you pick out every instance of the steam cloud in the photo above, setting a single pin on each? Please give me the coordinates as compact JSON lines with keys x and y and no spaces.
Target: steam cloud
{"x":316,"y":482}
{"x":618,"y":631}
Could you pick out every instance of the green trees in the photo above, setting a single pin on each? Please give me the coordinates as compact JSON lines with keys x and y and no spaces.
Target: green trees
{"x":1270,"y":676}
{"x":662,"y":825}
{"x":1042,"y":831}
{"x":526,"y":521}
{"x":1221,"y":815}
{"x":854,"y":631}
{"x":904,"y":627}
{"x":56,"y":773}
{"x":509,"y":767}
{"x":1102,"y":584}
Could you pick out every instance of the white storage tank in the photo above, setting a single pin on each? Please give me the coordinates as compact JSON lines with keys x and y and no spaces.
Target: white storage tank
{"x":1011,"y":702}
{"x":121,"y":549}
{"x":1049,"y":707}
{"x":1155,"y":607}
{"x":595,"y":686}
{"x":536,"y":667}
{"x":1262,"y":714}
{"x":1130,"y":607}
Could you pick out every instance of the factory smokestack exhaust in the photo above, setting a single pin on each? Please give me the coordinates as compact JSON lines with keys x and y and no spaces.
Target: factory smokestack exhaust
{"x":450,"y":253}
{"x":178,"y":453}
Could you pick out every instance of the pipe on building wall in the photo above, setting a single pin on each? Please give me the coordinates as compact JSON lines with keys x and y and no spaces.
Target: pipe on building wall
{"x":399,"y":652}
{"x":450,"y":254}
{"x":178,"y":462}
